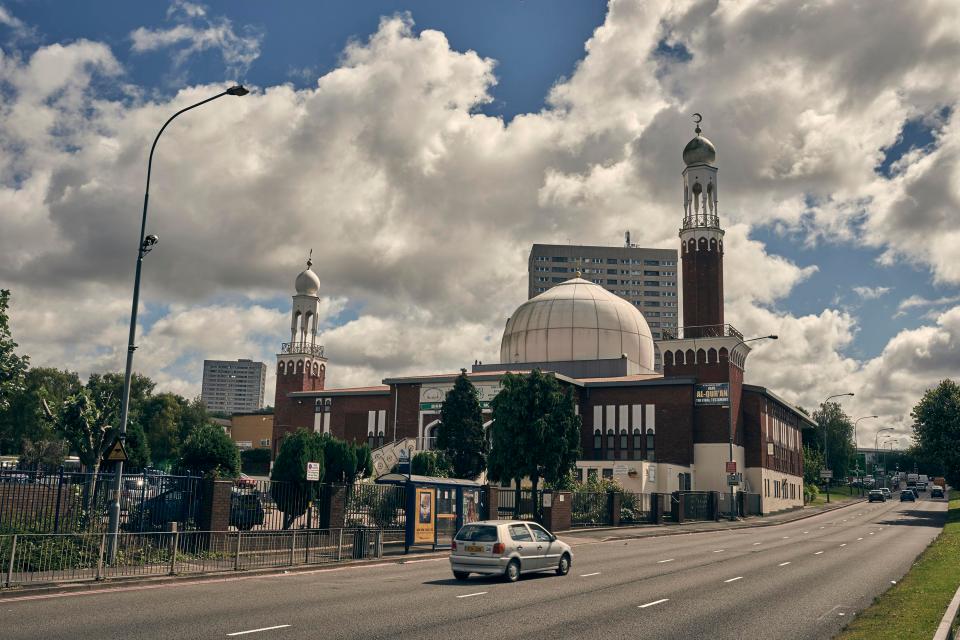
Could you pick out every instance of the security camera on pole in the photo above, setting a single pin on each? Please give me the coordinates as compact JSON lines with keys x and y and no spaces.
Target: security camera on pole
{"x":147,"y":243}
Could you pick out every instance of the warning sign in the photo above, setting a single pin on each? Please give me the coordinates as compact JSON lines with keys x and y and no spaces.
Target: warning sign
{"x":116,"y":452}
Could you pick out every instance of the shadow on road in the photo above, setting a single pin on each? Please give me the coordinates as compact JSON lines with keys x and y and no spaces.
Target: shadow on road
{"x":449,"y":582}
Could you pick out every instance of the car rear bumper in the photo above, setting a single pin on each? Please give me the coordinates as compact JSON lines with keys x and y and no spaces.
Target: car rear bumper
{"x":476,"y":564}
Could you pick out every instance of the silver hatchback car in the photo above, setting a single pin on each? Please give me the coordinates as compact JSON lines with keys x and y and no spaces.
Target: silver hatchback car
{"x":508,"y":548}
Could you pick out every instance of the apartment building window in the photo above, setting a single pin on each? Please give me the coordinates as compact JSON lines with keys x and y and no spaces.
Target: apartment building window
{"x":652,"y":314}
{"x":669,"y":263}
{"x":653,"y":303}
{"x":541,"y":258}
{"x":669,"y":314}
{"x":666,"y":304}
{"x":559,"y":269}
{"x":265,"y":442}
{"x":668,"y":273}
{"x":651,"y":283}
{"x":653,"y":324}
{"x":611,"y":261}
{"x":611,"y":282}
{"x":540,"y":289}
{"x":651,"y":273}
{"x":557,"y":279}
{"x":559,"y":258}
{"x":608,"y":473}
{"x":651,"y":294}
{"x":543,"y":279}
{"x":670,"y":294}
{"x":541,"y":268}
{"x":651,"y":445}
{"x":611,"y":272}
{"x":651,"y":262}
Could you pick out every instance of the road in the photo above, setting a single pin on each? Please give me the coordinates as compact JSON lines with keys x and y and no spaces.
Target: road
{"x":797,"y":580}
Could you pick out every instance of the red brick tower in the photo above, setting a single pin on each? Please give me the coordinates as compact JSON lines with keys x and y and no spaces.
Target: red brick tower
{"x":301,"y":365}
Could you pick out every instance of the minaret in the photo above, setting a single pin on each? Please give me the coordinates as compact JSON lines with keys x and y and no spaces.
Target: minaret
{"x":701,"y":240}
{"x":301,"y":365}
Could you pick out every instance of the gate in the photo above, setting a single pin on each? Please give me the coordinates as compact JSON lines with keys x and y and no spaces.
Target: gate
{"x":696,"y":505}
{"x":531,"y":503}
{"x":590,"y":509}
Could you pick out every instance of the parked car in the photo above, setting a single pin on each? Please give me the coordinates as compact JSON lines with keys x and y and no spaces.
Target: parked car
{"x":886,"y":493}
{"x":509,"y":548}
{"x":245,"y":481}
{"x":936,"y":492}
{"x":876,"y":495}
{"x":175,"y":505}
{"x":907,"y":495}
{"x":246,"y":509}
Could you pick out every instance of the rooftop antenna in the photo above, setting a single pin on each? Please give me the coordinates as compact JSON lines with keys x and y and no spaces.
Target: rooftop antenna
{"x":626,"y":237}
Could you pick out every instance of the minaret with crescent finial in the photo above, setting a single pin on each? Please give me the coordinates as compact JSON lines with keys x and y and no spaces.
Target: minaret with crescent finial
{"x":701,"y":238}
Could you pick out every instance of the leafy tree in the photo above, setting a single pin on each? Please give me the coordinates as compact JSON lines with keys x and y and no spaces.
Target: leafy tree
{"x":561,"y":446}
{"x":830,"y":418}
{"x":25,"y":417}
{"x":364,"y":461}
{"x":430,"y":463}
{"x":340,"y":460}
{"x":508,"y":459}
{"x":936,"y":427}
{"x":256,"y":461}
{"x":161,"y":419}
{"x":13,"y":368}
{"x":137,"y":447}
{"x":812,"y":464}
{"x":85,"y":420}
{"x":460,"y":435}
{"x":210,"y":451}
{"x":289,"y":487}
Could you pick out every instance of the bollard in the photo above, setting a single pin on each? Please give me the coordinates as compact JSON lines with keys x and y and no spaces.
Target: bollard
{"x":173,"y":552}
{"x":13,"y":554}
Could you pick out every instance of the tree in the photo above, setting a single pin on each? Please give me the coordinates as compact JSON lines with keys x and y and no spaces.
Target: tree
{"x":255,"y":461}
{"x":508,"y":459}
{"x":430,"y":463}
{"x":561,"y":446}
{"x":161,"y":419}
{"x":812,"y":464}
{"x":25,"y":417}
{"x":13,"y":368}
{"x":210,"y":451}
{"x":460,"y":435}
{"x":830,"y":418}
{"x":46,"y":453}
{"x":137,"y":447}
{"x":85,"y":420}
{"x":340,"y":460}
{"x":289,"y":487}
{"x":364,"y":461}
{"x":936,"y":427}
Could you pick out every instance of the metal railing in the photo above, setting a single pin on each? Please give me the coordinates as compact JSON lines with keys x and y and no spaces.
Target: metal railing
{"x":305,"y":348}
{"x":590,"y":509}
{"x":530,"y":504}
{"x":703,"y":331}
{"x":697,"y":219}
{"x":45,"y":558}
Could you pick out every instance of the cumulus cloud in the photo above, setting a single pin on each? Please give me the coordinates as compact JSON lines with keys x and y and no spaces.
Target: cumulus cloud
{"x":421,"y":209}
{"x":919,"y":302}
{"x":195,"y":31}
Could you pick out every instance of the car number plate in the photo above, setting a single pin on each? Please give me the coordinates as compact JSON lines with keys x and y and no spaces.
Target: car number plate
{"x":474,"y":548}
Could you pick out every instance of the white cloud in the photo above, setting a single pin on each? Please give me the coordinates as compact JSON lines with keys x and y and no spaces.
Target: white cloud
{"x":421,"y":210}
{"x":196,"y":32}
{"x":917,"y":301}
{"x":871,"y":293}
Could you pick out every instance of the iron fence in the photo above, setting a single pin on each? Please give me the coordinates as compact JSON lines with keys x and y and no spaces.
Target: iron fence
{"x":528,"y":508}
{"x":38,"y":500}
{"x":376,"y":505}
{"x":44,"y":558}
{"x":590,"y":509}
{"x":697,"y":505}
{"x":635,"y":508}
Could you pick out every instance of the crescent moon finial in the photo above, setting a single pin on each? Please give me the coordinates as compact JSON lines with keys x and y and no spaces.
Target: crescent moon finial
{"x":697,"y":119}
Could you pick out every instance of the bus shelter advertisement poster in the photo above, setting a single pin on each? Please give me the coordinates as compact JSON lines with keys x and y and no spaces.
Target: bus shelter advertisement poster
{"x":424,"y":530}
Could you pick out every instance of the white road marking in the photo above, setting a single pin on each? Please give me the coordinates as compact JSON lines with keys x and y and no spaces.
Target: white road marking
{"x":818,"y":553}
{"x":859,"y":539}
{"x":650,"y":604}
{"x":240,"y":633}
{"x":806,"y":532}
{"x":718,"y":550}
{"x":755,"y":543}
{"x":871,"y":533}
{"x":783,"y":564}
{"x":786,"y":537}
{"x":587,"y":575}
{"x":844,"y":544}
{"x":823,"y":527}
{"x":734,"y":579}
{"x":667,"y":560}
{"x":470,"y":595}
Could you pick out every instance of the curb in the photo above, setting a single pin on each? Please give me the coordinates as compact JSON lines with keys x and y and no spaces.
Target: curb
{"x":655,"y":532}
{"x":140,"y":582}
{"x":943,"y":631}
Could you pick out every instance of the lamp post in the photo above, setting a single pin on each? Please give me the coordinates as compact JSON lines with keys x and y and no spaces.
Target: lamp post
{"x":876,"y":450}
{"x":733,"y":507}
{"x":856,"y":447}
{"x":146,"y":245}
{"x":825,"y":459}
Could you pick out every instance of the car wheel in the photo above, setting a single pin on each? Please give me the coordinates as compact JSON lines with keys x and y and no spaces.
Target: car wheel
{"x":512,"y":574}
{"x":461,"y":575}
{"x":564,"y":567}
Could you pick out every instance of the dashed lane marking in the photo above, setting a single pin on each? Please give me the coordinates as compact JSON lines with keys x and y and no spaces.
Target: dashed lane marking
{"x":755,"y":543}
{"x":818,"y":553}
{"x":858,"y":539}
{"x":587,"y":575}
{"x":667,"y":560}
{"x":718,"y":550}
{"x":650,"y":604}
{"x":470,"y":595}
{"x":844,"y":544}
{"x":783,"y":564}
{"x":242,"y":633}
{"x":734,"y":579}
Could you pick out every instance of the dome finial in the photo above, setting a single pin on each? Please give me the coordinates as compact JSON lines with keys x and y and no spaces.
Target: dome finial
{"x":579,"y":273}
{"x":310,"y":259}
{"x":697,"y":118}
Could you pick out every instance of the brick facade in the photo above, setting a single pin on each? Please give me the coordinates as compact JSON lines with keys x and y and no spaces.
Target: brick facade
{"x":295,"y":373}
{"x":702,"y":283}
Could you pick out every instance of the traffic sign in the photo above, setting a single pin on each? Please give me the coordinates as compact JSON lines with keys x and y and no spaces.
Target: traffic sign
{"x":826,"y":474}
{"x":733,"y":479}
{"x":732,"y":466}
{"x":313,"y":471}
{"x":404,"y":455}
{"x":116,"y":452}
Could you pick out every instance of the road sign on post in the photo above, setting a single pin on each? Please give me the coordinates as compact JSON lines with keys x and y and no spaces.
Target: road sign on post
{"x":731,"y":466}
{"x":826,"y":474}
{"x":733,"y":479}
{"x":313,"y":471}
{"x":116,"y":453}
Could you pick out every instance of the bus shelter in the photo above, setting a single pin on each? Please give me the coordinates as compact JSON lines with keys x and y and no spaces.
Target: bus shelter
{"x":437,"y":507}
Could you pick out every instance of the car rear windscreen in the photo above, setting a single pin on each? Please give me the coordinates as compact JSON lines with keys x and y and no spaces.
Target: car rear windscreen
{"x":478,"y":533}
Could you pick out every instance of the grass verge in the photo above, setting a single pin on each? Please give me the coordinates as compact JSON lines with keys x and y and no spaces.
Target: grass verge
{"x":837,"y":494}
{"x":913,"y":607}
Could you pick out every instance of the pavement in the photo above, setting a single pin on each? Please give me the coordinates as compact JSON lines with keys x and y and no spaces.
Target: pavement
{"x":799,"y":579}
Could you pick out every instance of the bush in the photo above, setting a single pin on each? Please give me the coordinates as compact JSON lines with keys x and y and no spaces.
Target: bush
{"x":210,"y":451}
{"x":810,"y":492}
{"x":289,"y":487}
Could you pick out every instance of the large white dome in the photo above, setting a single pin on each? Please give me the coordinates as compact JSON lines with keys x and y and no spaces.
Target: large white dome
{"x":576,"y":320}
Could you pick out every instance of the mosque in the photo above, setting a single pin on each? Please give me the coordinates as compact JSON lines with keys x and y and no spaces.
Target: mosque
{"x":694,"y":427}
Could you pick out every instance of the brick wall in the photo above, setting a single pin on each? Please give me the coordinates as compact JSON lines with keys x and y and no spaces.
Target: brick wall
{"x":702,"y":285}
{"x":557,"y":516}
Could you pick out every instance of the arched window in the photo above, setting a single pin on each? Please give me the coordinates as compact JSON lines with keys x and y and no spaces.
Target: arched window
{"x":370,"y":440}
{"x":691,"y":358}
{"x":701,"y":356}
{"x":597,"y":439}
{"x":712,"y":355}
{"x":610,"y":439}
{"x":380,"y":439}
{"x":637,"y":440}
{"x":651,"y":445}
{"x":668,"y":358}
{"x":723,"y":353}
{"x":299,"y":366}
{"x":280,"y":368}
{"x":623,"y":439}
{"x":316,"y":369}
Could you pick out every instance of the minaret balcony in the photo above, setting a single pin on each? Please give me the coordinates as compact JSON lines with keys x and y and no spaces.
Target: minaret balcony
{"x":701,"y":221}
{"x":302,"y":348}
{"x":705,"y":331}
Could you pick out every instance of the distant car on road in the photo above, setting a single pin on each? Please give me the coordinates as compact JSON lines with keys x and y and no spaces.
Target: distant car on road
{"x":508,"y":548}
{"x":907,"y":495}
{"x":936,"y":492}
{"x":876,"y":495}
{"x":886,"y":493}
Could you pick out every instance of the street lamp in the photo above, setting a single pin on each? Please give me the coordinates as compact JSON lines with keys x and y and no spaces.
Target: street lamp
{"x":856,"y":446}
{"x":876,"y":451}
{"x":825,"y":458}
{"x":733,"y":508}
{"x":146,"y":245}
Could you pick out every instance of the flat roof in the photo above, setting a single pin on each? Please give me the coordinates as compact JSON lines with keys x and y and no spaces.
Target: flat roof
{"x":402,"y":478}
{"x":481,"y":376}
{"x":346,"y":391}
{"x":637,"y":380}
{"x":770,"y":394}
